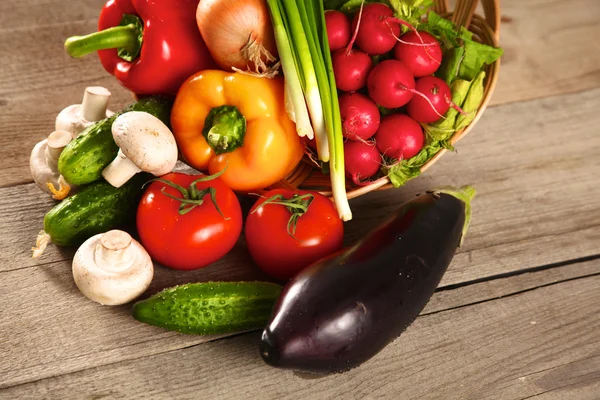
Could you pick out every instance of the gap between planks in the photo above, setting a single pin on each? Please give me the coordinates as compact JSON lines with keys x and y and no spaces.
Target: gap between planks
{"x":528,"y":344}
{"x":135,"y":336}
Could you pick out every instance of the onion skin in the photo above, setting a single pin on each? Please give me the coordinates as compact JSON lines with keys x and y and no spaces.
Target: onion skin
{"x":228,"y":26}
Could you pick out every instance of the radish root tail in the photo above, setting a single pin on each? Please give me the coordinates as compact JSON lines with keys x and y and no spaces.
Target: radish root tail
{"x":412,"y":28}
{"x":417,"y":93}
{"x":355,"y":34}
{"x":456,"y":107}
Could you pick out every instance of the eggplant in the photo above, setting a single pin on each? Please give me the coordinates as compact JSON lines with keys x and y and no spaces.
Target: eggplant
{"x":344,"y":309}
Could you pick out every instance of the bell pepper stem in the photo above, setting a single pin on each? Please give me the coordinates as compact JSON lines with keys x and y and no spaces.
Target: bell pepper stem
{"x":224,"y":129}
{"x":111,"y":38}
{"x":127,"y":38}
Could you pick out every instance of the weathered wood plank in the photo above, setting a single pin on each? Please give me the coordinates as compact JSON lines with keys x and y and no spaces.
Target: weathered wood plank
{"x":547,"y":51}
{"x":42,"y":301}
{"x":453,"y":297}
{"x":530,"y":199}
{"x":511,"y":348}
{"x":23,"y":15}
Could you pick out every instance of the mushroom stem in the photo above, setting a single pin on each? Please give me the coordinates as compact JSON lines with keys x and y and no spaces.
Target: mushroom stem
{"x":111,"y":252}
{"x":57,"y":141}
{"x":95,"y":103}
{"x":120,"y":170}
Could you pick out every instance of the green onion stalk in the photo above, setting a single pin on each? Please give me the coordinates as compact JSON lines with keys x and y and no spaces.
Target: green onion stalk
{"x":301,"y":36}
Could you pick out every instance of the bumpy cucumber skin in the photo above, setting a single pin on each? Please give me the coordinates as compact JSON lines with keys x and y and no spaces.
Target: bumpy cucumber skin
{"x":82,"y":160}
{"x":95,"y":208}
{"x":210,"y":307}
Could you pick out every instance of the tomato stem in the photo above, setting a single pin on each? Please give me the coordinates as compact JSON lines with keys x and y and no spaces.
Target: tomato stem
{"x":297,"y":205}
{"x":192,"y":196}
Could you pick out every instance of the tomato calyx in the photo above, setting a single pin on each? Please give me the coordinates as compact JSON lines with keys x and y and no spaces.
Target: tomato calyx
{"x":297,"y":205}
{"x":192,"y":196}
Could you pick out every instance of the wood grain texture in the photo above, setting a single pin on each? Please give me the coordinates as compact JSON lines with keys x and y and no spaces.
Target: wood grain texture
{"x":490,"y":350}
{"x":548,"y":48}
{"x":43,"y":301}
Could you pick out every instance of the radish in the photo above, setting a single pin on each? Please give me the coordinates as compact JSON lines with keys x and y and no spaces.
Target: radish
{"x":377,"y":31}
{"x":391,"y":84}
{"x":420,"y":51}
{"x":362,"y":160}
{"x":360,"y":116}
{"x":338,"y":29}
{"x":399,"y":137}
{"x":351,"y":69}
{"x":433,"y":104}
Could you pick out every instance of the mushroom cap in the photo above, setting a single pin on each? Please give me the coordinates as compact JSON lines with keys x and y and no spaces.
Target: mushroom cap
{"x":112,"y":268}
{"x":146,"y":141}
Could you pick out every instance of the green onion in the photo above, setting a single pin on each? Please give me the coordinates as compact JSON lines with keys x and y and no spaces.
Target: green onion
{"x":301,"y":31}
{"x":311,"y":87}
{"x":308,"y":20}
{"x":293,"y":87}
{"x":336,"y":138}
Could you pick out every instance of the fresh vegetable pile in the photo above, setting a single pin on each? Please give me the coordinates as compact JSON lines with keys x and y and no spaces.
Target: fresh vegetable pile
{"x":241,"y":92}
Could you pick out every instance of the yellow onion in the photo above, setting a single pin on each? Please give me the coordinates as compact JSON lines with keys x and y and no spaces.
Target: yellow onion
{"x":238,"y":34}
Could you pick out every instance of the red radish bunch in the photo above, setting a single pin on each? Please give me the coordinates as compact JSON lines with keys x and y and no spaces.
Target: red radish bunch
{"x":351,"y":69}
{"x":403,"y":84}
{"x":360,"y":116}
{"x":362,"y":160}
{"x":434,"y":103}
{"x":421,"y":53}
{"x":399,"y":137}
{"x":376,"y":34}
{"x":338,"y":29}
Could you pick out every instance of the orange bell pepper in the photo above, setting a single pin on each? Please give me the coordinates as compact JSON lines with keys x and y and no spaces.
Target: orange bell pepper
{"x":236,"y":122}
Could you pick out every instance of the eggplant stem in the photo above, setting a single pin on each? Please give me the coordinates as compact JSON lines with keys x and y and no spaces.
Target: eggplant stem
{"x":466,"y":195}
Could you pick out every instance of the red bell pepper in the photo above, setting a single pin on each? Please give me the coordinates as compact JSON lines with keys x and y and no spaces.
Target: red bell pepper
{"x":150,"y":46}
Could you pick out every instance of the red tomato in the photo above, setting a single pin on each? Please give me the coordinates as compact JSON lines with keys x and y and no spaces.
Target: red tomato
{"x":195,"y":239}
{"x":319,"y":232}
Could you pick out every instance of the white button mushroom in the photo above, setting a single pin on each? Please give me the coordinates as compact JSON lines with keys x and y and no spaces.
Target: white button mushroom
{"x":43,"y":164}
{"x":145,"y":144}
{"x":75,"y":118}
{"x":112,"y":268}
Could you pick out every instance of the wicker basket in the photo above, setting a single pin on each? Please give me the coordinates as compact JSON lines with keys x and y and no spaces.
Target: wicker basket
{"x":486,"y":30}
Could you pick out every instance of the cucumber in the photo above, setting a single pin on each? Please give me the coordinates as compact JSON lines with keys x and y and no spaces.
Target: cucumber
{"x":210,"y":307}
{"x":95,"y":208}
{"x":82,"y":160}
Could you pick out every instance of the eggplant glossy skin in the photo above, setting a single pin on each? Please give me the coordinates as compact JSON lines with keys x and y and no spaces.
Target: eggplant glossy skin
{"x":342,"y":310}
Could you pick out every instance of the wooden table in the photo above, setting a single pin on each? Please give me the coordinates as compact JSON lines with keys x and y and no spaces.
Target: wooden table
{"x":516,"y":316}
